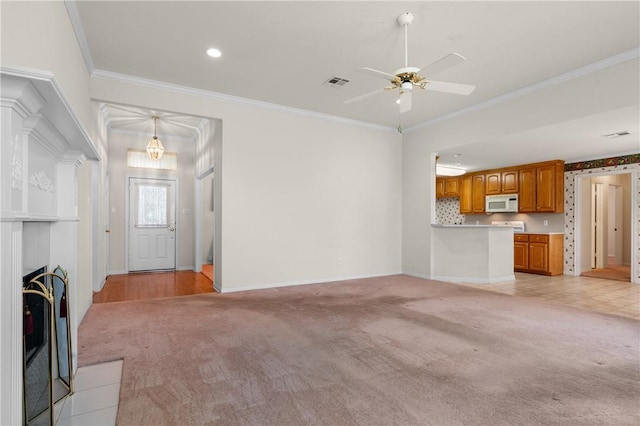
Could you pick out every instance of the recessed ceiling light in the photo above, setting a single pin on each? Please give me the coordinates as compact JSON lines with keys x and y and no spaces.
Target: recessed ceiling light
{"x":457,"y":155}
{"x":214,"y":53}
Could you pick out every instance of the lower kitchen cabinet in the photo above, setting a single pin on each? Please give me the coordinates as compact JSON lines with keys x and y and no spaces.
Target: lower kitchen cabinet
{"x":521,"y":252}
{"x":538,"y":253}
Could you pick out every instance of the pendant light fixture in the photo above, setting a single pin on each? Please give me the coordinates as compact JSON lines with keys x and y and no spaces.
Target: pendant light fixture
{"x":154,"y":147}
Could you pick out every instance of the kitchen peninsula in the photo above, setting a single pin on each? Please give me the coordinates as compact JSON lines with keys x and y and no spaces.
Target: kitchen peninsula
{"x":480,"y":254}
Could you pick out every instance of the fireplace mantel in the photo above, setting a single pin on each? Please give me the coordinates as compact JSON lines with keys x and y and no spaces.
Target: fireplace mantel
{"x":42,"y":144}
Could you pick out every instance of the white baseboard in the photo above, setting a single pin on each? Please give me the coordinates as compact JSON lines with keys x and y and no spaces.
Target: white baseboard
{"x":413,"y":274}
{"x":462,"y":280}
{"x":294,"y":283}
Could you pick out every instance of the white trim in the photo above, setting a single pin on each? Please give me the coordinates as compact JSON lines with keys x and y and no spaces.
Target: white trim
{"x":17,"y":348}
{"x":469,"y":280}
{"x":154,"y":84}
{"x":197,"y":224}
{"x":78,"y":29}
{"x":416,"y":275}
{"x":161,"y":136}
{"x":531,"y":88}
{"x":80,"y":137}
{"x":305,"y":282}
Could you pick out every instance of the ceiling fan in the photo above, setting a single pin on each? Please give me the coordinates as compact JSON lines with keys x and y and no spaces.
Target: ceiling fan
{"x":405,"y":78}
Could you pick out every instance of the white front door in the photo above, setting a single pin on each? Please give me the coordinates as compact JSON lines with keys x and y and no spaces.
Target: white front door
{"x":152,"y":242}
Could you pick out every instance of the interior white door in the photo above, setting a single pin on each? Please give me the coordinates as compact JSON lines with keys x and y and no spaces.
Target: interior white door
{"x":152,"y":242}
{"x":598,"y":251}
{"x":616,"y":224}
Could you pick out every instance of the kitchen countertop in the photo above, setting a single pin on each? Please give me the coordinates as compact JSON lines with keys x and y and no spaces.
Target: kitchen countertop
{"x":541,"y":233}
{"x":450,"y":225}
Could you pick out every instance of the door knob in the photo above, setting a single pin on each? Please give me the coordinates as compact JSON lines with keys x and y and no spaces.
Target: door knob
{"x":107,"y":231}
{"x":172,"y":229}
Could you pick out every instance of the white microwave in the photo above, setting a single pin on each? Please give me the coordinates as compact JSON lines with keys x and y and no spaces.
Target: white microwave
{"x":501,"y":203}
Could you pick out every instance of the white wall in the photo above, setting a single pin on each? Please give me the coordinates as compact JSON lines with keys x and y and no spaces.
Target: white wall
{"x":207,"y":218}
{"x":39,"y":35}
{"x":302,"y":199}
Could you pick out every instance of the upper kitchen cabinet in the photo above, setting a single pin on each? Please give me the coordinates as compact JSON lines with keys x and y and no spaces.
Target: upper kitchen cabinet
{"x":478,"y":193}
{"x":447,"y":187}
{"x":466,"y":194}
{"x":501,"y":182}
{"x":472,"y":193}
{"x":541,"y":187}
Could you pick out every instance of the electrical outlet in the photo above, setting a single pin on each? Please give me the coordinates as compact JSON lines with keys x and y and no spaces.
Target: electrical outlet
{"x":545,"y":223}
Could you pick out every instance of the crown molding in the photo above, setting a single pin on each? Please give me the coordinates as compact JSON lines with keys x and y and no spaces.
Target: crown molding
{"x":78,"y":29}
{"x":49,"y":89}
{"x":155,"y":84}
{"x":161,"y":136}
{"x":628,"y":55}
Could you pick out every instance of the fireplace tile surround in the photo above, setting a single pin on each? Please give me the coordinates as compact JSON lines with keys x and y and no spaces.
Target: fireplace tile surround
{"x":42,"y":145}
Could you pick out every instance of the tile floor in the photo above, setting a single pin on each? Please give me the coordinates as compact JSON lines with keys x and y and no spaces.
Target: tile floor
{"x":593,"y":294}
{"x":95,"y":400}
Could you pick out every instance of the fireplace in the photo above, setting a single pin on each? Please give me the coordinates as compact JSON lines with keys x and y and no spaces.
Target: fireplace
{"x":35,"y":325}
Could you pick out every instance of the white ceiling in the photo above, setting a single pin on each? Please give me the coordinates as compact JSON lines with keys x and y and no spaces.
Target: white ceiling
{"x":283,"y":52}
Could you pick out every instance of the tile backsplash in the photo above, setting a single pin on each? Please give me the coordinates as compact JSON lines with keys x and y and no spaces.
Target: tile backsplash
{"x":448,"y":211}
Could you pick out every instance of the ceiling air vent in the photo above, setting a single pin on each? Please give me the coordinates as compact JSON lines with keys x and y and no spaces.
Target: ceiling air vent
{"x":336,"y":82}
{"x":616,"y":135}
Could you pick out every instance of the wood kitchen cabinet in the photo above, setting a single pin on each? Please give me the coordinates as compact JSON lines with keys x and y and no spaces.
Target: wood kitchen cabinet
{"x":521,"y":252}
{"x":439,"y":188}
{"x":510,"y":181}
{"x":538,"y":253}
{"x":472,"y":193}
{"x":466,"y":194}
{"x":541,"y":188}
{"x":477,"y":193}
{"x":447,"y":187}
{"x":501,"y":182}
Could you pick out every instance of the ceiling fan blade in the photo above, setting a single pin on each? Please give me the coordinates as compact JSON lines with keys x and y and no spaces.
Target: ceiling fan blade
{"x":405,"y":101}
{"x":455,"y":88}
{"x":366,"y":95}
{"x":377,"y":73}
{"x":443,"y":63}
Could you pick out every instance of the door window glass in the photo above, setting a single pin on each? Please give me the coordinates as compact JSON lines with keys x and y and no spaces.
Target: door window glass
{"x":152,"y":206}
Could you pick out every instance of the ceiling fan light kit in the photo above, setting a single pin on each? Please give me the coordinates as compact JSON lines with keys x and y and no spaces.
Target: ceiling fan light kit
{"x":405,"y":78}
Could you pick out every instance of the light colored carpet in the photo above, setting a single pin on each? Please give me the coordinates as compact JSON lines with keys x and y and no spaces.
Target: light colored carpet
{"x":381,"y":351}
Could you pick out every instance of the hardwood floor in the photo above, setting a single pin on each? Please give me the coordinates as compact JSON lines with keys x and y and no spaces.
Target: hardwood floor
{"x":613,"y":272}
{"x":152,"y":285}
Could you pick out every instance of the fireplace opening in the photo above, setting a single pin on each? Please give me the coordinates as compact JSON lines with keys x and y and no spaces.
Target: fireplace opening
{"x":35,"y":319}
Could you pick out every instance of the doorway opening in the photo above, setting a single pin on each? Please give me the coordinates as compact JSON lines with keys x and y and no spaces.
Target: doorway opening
{"x":608,"y":228}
